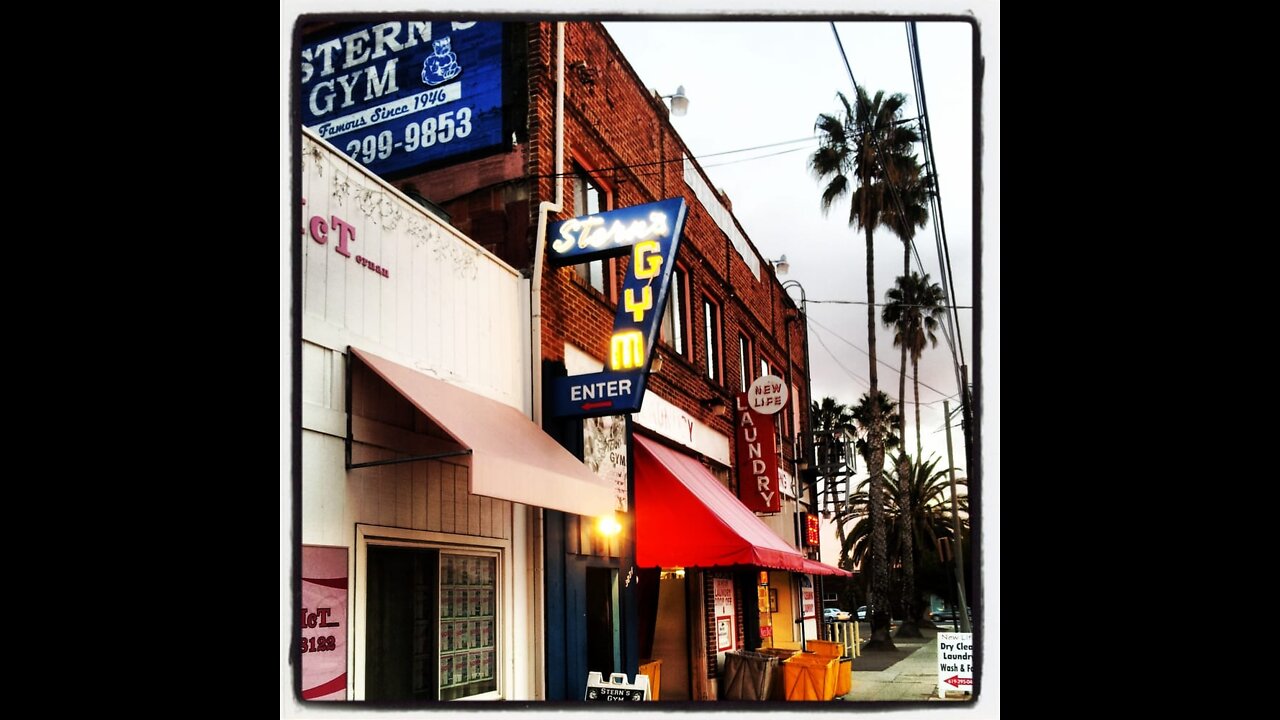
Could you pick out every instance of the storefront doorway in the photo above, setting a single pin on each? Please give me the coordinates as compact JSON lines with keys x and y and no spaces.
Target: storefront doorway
{"x":671,"y":637}
{"x":604,"y":650}
{"x":431,"y":624}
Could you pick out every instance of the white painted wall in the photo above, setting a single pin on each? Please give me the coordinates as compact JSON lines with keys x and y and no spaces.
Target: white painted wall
{"x":447,"y":308}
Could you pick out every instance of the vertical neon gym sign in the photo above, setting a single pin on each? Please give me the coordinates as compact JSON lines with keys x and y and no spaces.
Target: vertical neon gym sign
{"x":651,"y":234}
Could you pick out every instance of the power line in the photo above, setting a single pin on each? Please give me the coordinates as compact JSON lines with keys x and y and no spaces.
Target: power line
{"x":840,"y":364}
{"x":864,"y":302}
{"x":844,"y":57}
{"x":681,"y":158}
{"x":939,"y":227}
{"x":864,"y":352}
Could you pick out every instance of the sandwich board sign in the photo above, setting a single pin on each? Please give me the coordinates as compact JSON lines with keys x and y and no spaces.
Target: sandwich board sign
{"x":955,"y":663}
{"x":616,"y":688}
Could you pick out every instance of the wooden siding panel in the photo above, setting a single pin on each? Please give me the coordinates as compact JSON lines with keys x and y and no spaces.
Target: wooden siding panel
{"x":462,"y":500}
{"x":404,"y":494}
{"x":446,"y":307}
{"x":447,"y":512}
{"x":369,"y":246}
{"x":433,"y":496}
{"x":473,"y":511}
{"x":418,"y":495}
{"x":314,"y":373}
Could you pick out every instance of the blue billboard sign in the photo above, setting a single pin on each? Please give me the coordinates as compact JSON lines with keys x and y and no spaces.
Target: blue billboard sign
{"x":400,"y":94}
{"x":651,"y":233}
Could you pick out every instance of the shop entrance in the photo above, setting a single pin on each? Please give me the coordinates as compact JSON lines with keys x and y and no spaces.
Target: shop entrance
{"x":671,"y":637}
{"x":431,"y":624}
{"x":604,"y":651}
{"x":401,"y":597}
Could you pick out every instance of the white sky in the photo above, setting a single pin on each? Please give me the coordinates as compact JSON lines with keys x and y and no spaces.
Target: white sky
{"x":758,"y":83}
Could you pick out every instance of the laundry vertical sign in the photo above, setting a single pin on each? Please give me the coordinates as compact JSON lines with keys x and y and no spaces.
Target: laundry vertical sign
{"x":757,"y":454}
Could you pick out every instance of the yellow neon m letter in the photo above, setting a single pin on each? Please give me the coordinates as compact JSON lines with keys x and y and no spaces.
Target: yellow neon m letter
{"x":627,"y":349}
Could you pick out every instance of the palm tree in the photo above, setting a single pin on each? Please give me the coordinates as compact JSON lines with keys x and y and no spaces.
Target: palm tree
{"x":862,"y":424}
{"x":914,"y":309}
{"x":927,"y":493}
{"x":907,"y":210}
{"x":830,"y":418}
{"x":869,"y":146}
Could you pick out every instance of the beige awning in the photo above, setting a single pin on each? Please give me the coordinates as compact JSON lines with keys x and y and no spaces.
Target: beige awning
{"x":511,"y":457}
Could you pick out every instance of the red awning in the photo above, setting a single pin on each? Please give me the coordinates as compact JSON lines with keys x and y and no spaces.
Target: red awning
{"x":819,"y":568}
{"x":511,"y":458}
{"x":686,"y":518}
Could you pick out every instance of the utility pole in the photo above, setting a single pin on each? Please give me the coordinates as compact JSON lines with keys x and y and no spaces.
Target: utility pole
{"x":955,"y":518}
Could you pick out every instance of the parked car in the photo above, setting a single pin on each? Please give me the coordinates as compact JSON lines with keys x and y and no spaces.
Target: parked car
{"x":947,"y":614}
{"x":943,"y":615}
{"x":835,"y":615}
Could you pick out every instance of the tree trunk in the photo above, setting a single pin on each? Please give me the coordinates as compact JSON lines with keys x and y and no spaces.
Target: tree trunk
{"x":879,"y":601}
{"x":906,"y":528}
{"x":915,"y":381}
{"x":906,"y":522}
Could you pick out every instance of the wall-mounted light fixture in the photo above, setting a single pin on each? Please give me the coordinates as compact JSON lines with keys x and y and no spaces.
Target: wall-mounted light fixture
{"x":717,"y":406}
{"x":781,"y":265}
{"x":679,"y":101}
{"x":608,"y":525}
{"x":655,"y":366}
{"x":586,"y":74}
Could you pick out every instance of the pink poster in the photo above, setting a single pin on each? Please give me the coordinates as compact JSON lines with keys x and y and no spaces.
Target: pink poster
{"x":324,"y":623}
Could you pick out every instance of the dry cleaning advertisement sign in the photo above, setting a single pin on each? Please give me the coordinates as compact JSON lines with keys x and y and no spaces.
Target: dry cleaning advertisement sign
{"x":955,"y":662}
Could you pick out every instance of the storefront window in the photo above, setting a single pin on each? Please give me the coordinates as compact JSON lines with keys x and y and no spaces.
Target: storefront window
{"x":468,"y":626}
{"x":432,"y":625}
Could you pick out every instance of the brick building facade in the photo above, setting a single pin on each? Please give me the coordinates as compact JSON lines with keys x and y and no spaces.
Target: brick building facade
{"x":729,"y":322}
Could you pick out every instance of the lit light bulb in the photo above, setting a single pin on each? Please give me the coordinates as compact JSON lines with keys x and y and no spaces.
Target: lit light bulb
{"x":609,"y":526}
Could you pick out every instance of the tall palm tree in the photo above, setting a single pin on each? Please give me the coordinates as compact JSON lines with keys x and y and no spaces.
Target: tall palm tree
{"x":906,"y":211}
{"x":862,"y":424}
{"x":927,"y":493}
{"x":867,"y":145}
{"x":830,"y":417}
{"x":914,"y":309}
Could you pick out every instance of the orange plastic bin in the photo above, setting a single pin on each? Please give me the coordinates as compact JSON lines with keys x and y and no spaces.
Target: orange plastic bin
{"x":844,"y":670}
{"x":807,"y":676}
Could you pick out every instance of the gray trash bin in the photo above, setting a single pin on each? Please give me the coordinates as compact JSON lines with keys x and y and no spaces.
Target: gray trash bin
{"x":747,"y":675}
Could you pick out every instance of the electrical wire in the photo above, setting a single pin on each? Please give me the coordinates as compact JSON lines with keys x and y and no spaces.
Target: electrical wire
{"x":681,"y":159}
{"x":864,"y":302}
{"x":864,"y":352}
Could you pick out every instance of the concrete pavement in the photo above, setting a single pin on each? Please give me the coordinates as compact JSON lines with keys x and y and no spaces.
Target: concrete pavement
{"x":914,"y":677}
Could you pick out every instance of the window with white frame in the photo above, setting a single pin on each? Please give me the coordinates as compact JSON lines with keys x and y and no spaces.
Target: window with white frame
{"x":711,"y":338}
{"x":674,"y":320}
{"x":589,"y":198}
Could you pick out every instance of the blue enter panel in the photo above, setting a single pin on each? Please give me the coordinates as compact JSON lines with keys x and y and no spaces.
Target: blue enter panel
{"x":602,"y":393}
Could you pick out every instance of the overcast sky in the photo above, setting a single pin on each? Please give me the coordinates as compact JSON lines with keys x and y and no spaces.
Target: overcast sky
{"x":759,"y":83}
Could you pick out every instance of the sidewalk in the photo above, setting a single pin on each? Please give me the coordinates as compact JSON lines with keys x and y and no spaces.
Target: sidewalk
{"x":910,"y":674}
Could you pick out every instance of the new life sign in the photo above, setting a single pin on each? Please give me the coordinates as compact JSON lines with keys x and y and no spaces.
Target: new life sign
{"x":651,"y":234}
{"x":758,"y":485}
